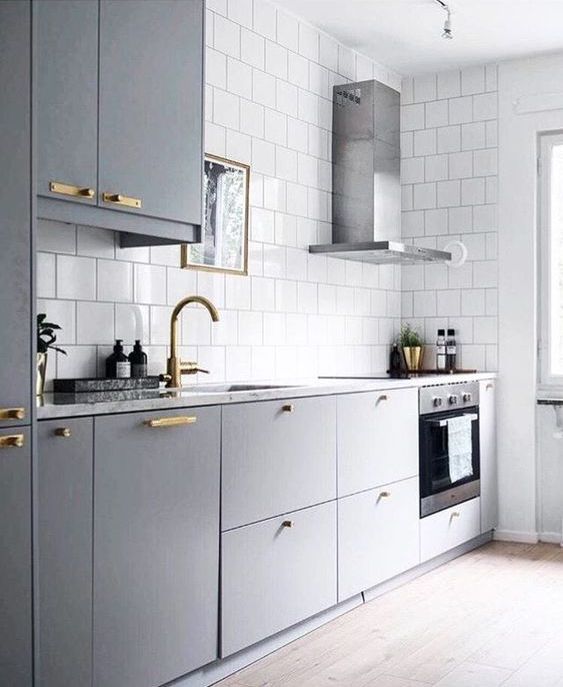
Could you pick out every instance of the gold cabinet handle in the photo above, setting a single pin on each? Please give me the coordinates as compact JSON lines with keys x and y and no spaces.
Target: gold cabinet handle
{"x":171,"y":421}
{"x":456,"y":514}
{"x":69,"y":190}
{"x":383,"y":397}
{"x":12,"y":441}
{"x":120,"y":199}
{"x":63,"y":432}
{"x":384,"y":495}
{"x":490,"y":385}
{"x":287,"y":523}
{"x":288,"y":408}
{"x":12,"y":413}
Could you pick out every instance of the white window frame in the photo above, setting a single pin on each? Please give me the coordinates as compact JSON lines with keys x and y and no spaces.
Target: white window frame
{"x":548,"y":260}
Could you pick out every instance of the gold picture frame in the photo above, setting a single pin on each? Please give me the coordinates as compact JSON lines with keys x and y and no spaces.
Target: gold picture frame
{"x":226,"y":208}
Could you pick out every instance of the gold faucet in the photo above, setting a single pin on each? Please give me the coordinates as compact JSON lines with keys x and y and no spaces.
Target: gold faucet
{"x":176,"y":367}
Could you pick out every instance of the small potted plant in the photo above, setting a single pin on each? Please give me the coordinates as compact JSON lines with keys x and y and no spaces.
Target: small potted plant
{"x":413,"y":347}
{"x":46,"y":339}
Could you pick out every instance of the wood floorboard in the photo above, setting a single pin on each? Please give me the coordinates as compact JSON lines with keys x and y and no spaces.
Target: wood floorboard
{"x":489,"y":618}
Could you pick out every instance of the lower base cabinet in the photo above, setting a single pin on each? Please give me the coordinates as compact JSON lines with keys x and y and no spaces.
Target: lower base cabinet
{"x":378,"y":536}
{"x":156,"y":545}
{"x":276,"y":573}
{"x":449,"y":528}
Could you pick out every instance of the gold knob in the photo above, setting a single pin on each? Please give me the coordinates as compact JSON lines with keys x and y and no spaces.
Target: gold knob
{"x":384,"y":495}
{"x":87,"y":192}
{"x":122,"y":200}
{"x":12,"y":441}
{"x":383,"y":397}
{"x":171,"y":421}
{"x":12,"y":413}
{"x":63,"y":432}
{"x":490,"y":386}
{"x":287,"y":523}
{"x":456,"y":514}
{"x":288,"y":408}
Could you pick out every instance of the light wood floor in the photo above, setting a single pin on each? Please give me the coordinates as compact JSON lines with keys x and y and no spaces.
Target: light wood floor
{"x":492,"y":617}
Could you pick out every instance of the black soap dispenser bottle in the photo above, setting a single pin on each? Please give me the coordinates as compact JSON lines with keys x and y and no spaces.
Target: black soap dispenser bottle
{"x":138,"y":360}
{"x":117,"y":365}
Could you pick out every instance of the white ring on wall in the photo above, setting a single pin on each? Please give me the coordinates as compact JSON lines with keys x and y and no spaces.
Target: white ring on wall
{"x":458,"y":251}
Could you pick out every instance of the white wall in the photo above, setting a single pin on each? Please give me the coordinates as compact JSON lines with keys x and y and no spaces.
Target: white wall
{"x":449,"y":184}
{"x":268,"y":103}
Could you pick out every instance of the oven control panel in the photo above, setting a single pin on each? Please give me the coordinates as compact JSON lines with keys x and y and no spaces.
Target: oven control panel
{"x":436,"y":399}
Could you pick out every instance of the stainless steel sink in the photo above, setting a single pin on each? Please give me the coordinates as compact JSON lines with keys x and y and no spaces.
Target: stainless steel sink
{"x":232,"y":388}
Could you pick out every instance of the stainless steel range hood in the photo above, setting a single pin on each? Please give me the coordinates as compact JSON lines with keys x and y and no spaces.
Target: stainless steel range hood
{"x":366,"y":185}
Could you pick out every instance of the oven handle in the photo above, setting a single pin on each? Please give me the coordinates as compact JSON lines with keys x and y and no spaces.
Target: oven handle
{"x":444,"y":423}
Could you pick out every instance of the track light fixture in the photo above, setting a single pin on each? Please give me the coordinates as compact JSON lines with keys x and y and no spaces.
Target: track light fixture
{"x":447,"y":32}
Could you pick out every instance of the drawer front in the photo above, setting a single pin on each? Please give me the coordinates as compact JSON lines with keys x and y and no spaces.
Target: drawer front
{"x":274,"y":576}
{"x":377,"y":439}
{"x":449,"y":528}
{"x":378,"y":536}
{"x":278,"y":456}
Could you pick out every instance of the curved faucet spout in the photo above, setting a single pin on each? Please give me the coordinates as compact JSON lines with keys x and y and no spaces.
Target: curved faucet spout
{"x":175,"y":367}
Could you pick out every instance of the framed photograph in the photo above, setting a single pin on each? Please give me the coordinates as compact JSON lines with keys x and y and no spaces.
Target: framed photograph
{"x":224,"y":245}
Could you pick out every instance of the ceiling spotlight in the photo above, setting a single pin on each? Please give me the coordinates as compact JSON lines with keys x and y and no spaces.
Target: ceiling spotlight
{"x":447,"y":32}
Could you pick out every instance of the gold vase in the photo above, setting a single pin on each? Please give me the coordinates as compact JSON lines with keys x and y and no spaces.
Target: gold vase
{"x":413,"y":357}
{"x":41,"y":374}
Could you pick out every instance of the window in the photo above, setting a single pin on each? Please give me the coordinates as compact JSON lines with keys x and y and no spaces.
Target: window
{"x":551,"y":258}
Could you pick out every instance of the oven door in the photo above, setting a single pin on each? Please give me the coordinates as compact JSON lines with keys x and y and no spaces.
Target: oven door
{"x":442,"y":484}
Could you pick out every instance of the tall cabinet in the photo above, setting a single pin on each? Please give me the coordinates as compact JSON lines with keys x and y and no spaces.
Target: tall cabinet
{"x":15,"y":366}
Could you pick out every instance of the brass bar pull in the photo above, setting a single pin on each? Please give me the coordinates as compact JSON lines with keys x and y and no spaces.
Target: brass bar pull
{"x":288,"y":408}
{"x":12,"y":441}
{"x":120,"y":199}
{"x":287,"y":523}
{"x":69,"y":190}
{"x":383,"y":397}
{"x":63,"y":432}
{"x":12,"y":413}
{"x":171,"y":421}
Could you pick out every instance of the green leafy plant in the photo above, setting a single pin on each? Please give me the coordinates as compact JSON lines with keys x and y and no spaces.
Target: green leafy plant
{"x":409,"y":337}
{"x":46,"y":337}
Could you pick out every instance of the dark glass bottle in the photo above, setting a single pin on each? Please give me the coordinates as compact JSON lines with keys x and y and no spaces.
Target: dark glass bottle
{"x":117,"y":365}
{"x":451,"y":350}
{"x":395,"y":362}
{"x":138,"y":360}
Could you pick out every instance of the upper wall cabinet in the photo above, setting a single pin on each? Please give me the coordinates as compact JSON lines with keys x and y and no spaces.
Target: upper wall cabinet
{"x":120,"y":116}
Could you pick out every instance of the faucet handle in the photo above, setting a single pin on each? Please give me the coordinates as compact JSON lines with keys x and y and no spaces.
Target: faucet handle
{"x":190,"y":368}
{"x":199,"y":369}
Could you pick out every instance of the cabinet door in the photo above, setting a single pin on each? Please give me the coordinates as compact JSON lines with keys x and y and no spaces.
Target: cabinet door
{"x":151,"y":106}
{"x":15,"y":214}
{"x":488,"y":454}
{"x":15,"y":553}
{"x":447,"y":529}
{"x":377,"y":439}
{"x":65,"y":452}
{"x":378,"y":536}
{"x":274,"y":576}
{"x":278,"y":456}
{"x":67,"y":97}
{"x":156,"y":546}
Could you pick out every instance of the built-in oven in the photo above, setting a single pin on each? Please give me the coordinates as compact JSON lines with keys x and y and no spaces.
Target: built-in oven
{"x":449,"y":445}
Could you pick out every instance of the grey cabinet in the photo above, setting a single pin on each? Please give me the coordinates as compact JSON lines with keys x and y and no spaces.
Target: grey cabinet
{"x":64,"y":517}
{"x":15,"y":213}
{"x":120,"y":116}
{"x":15,"y":551}
{"x":276,"y":573}
{"x":67,"y":98}
{"x":156,"y":545}
{"x":278,"y":456}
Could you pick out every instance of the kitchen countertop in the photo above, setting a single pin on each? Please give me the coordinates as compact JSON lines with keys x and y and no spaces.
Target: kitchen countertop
{"x":75,"y":405}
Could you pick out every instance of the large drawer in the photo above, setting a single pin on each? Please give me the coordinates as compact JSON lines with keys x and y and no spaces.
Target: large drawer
{"x":278,"y":456}
{"x":449,"y":528}
{"x":377,"y":439}
{"x":378,"y":536}
{"x":274,"y":576}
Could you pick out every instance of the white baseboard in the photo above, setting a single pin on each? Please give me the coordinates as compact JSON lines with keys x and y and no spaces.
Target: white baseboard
{"x":518,"y":537}
{"x":551,"y":538}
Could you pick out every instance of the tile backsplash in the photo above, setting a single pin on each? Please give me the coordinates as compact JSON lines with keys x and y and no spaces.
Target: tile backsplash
{"x":449,"y":183}
{"x":268,"y":104}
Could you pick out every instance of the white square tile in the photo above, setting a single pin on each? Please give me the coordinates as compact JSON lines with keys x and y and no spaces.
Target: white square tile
{"x":46,"y":268}
{"x":212,"y":286}
{"x":461,"y":165}
{"x":263,"y":361}
{"x":472,"y":191}
{"x":56,"y":237}
{"x":296,"y":258}
{"x":346,"y":62}
{"x":237,"y":292}
{"x":216,"y":68}
{"x":412,"y":170}
{"x":436,"y":167}
{"x":263,"y":88}
{"x":165,"y":255}
{"x":226,"y":109}
{"x":180,"y":283}
{"x":424,"y":196}
{"x":76,"y":278}
{"x":298,"y":135}
{"x":425,"y":142}
{"x":473,"y":302}
{"x":308,"y":107}
{"x":308,"y":42}
{"x":328,"y":52}
{"x":225,"y":332}
{"x":240,"y":11}
{"x":252,"y":48}
{"x":226,"y":36}
{"x":407,"y":197}
{"x":472,"y":80}
{"x":298,"y":71}
{"x":473,"y":136}
{"x":94,"y":242}
{"x":115,"y":281}
{"x":436,"y":221}
{"x":265,"y":19}
{"x":286,"y":163}
{"x":485,"y":273}
{"x":276,"y":60}
{"x":461,"y":110}
{"x":263,"y":293}
{"x":424,"y":304}
{"x":491,"y":189}
{"x":460,"y":220}
{"x":287,"y":98}
{"x":239,"y":78}
{"x":80,"y":361}
{"x":412,"y":223}
{"x":449,"y":84}
{"x":62,"y":313}
{"x":327,"y":299}
{"x":485,"y":106}
{"x":264,"y":157}
{"x":215,"y":144}
{"x":307,"y":297}
{"x":288,"y":31}
{"x":448,"y":303}
{"x":275,"y":127}
{"x":476,"y":246}
{"x":274,"y":329}
{"x":318,"y":79}
{"x":150,"y":284}
{"x":274,"y":193}
{"x":435,"y":276}
{"x":407,"y":144}
{"x":407,"y":90}
{"x":274,"y":261}
{"x":251,"y":118}
{"x":211,"y":358}
{"x":364,"y":68}
{"x":132,"y":322}
{"x":239,"y":146}
{"x":437,"y":113}
{"x":485,"y":162}
{"x":250,"y":328}
{"x":286,"y":231}
{"x":461,"y":277}
{"x":424,"y":88}
{"x":448,"y":139}
{"x":238,"y":362}
{"x":491,"y":133}
{"x":286,"y":296}
{"x":412,"y":117}
{"x":485,"y":330}
{"x":298,"y":204}
{"x":491,"y":302}
{"x":94,"y":323}
{"x":448,"y":193}
{"x":491,"y":77}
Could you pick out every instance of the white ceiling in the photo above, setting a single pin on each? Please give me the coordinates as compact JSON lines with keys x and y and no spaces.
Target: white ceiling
{"x":405,"y":34}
